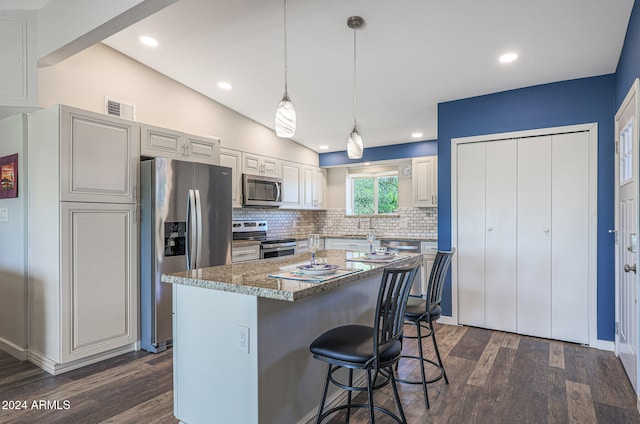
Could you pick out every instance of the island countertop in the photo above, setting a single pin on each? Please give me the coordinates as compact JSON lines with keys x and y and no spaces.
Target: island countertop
{"x":252,"y":277}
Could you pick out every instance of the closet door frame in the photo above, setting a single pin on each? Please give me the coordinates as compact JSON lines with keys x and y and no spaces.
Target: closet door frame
{"x":592,"y":129}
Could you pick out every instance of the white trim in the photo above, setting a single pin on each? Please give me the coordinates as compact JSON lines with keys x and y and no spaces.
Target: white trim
{"x":14,"y":350}
{"x":592,"y":128}
{"x":633,"y":90}
{"x":604,"y":345}
{"x":447,"y":320}
{"x":54,"y":368}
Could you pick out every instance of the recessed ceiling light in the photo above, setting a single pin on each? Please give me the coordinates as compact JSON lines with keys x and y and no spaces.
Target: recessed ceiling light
{"x":508,"y":57}
{"x":416,"y":134}
{"x":148,"y":41}
{"x":323,"y":147}
{"x":224,"y":85}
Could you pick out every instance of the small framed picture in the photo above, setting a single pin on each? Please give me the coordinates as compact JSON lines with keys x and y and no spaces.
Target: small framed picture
{"x":9,"y":176}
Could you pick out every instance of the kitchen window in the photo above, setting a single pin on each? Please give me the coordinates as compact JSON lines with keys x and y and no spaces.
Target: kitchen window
{"x":372,"y":193}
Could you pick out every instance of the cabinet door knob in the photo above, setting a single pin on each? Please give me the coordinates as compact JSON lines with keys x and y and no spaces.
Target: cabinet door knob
{"x":490,"y":229}
{"x":546,"y":230}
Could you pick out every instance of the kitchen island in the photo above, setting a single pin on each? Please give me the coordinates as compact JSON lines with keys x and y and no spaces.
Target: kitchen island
{"x":241,"y":338}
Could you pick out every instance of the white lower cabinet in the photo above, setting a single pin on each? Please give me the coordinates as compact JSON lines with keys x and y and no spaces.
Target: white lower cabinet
{"x":99,"y":282}
{"x":245,"y":253}
{"x":355,"y":245}
{"x":523,"y":235}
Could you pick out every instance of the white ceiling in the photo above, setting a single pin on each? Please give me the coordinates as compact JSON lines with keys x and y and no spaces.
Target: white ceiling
{"x":412,"y":54}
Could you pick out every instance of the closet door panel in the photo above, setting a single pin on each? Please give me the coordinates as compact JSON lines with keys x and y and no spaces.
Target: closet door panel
{"x":570,"y":237}
{"x":471,"y":233}
{"x":534,"y":237}
{"x":500,"y":247}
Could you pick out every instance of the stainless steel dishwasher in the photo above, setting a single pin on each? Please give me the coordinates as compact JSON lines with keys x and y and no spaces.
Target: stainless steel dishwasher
{"x":406,"y":246}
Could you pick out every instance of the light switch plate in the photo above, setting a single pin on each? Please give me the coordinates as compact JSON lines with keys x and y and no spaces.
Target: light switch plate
{"x":4,"y":214}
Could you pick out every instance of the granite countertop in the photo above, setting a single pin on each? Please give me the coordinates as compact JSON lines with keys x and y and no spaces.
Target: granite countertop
{"x":252,"y":278}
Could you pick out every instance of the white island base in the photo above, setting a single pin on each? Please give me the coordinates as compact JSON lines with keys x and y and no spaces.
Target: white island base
{"x":271,"y":377}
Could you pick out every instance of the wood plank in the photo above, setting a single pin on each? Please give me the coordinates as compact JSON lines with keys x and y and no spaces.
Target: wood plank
{"x":472,"y":344}
{"x":580,"y":407}
{"x":511,"y":341}
{"x":556,"y":354}
{"x":485,"y":363}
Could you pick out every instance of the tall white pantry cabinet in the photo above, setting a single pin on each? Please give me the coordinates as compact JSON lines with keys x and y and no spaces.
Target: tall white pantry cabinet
{"x":83,"y":172}
{"x":524,"y":209}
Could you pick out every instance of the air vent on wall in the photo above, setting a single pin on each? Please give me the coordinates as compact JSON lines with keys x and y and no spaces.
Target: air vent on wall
{"x":119,"y":108}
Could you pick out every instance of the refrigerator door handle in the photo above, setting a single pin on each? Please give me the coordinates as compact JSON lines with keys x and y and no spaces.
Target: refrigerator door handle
{"x":198,"y":230}
{"x":191,"y":234}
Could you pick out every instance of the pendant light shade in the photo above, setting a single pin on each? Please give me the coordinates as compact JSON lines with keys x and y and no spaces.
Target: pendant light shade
{"x":285,"y":112}
{"x":285,"y":118}
{"x":355,"y":146}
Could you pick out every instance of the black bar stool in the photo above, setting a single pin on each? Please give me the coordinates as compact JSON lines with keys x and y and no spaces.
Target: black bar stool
{"x":373,"y":349}
{"x":422,"y":311}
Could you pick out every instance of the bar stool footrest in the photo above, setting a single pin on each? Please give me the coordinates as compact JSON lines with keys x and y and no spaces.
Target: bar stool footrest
{"x":428,"y":361}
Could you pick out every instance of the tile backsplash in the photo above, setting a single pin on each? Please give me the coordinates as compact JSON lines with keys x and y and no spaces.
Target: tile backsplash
{"x":408,"y":222}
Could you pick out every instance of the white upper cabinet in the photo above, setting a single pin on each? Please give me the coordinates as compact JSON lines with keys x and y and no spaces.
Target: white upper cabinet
{"x":98,"y":156}
{"x":314,"y":187}
{"x":18,"y":82}
{"x":260,"y":165}
{"x":162,"y":142}
{"x":233,"y":159}
{"x":425,"y":181}
{"x":292,"y":187}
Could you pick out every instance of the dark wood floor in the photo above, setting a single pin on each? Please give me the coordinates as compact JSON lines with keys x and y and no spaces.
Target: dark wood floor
{"x":494,"y":378}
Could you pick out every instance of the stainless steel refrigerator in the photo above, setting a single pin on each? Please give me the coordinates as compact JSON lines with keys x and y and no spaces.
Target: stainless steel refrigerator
{"x":185,"y":223}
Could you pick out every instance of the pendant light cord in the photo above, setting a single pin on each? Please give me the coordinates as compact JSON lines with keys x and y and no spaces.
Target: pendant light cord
{"x":285,"y":47}
{"x":354,"y":76}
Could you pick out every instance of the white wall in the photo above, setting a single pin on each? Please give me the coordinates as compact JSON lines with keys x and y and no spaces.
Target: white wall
{"x":86,"y":78}
{"x":13,"y":258}
{"x":336,"y":194}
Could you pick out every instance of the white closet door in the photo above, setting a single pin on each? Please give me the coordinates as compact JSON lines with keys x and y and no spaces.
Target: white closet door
{"x":500,"y":247}
{"x":471,"y":233}
{"x":534,"y":236}
{"x":570,"y":237}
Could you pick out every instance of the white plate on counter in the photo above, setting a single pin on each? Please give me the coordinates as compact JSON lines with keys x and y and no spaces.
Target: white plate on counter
{"x":318,"y":269}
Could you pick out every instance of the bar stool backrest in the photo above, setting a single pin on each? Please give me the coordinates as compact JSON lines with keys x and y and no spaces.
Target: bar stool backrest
{"x":391,"y":305}
{"x":439,"y":271}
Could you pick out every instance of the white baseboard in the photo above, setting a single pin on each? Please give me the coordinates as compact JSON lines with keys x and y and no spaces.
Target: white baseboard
{"x":14,"y":350}
{"x":54,"y":368}
{"x":447,"y":320}
{"x":604,"y":345}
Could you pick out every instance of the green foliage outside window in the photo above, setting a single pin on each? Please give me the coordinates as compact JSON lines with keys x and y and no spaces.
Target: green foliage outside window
{"x":364,"y":195}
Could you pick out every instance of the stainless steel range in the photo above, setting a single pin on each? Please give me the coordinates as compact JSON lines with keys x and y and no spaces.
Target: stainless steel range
{"x":257,"y":230}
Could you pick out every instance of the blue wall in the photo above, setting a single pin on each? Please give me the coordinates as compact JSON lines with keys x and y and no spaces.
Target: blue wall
{"x":564,"y":103}
{"x":370,"y":154}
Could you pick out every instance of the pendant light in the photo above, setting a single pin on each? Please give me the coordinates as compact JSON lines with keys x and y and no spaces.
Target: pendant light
{"x":354,"y":143}
{"x":285,"y":113}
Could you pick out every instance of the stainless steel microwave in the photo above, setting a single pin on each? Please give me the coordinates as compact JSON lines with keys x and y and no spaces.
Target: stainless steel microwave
{"x":258,"y":190}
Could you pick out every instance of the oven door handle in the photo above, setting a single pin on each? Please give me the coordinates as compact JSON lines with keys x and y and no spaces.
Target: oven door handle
{"x":278,"y":249}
